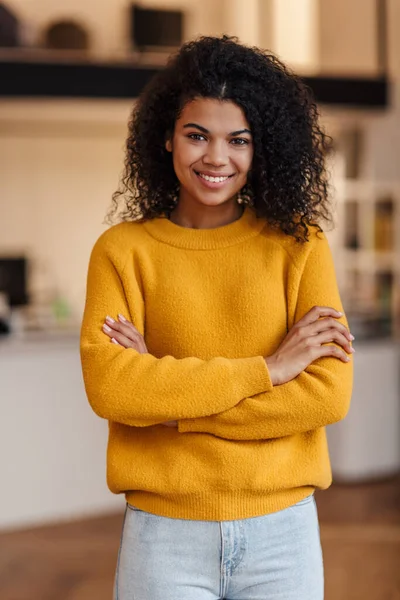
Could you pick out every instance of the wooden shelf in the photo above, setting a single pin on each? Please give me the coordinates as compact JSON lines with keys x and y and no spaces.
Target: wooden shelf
{"x":89,"y":79}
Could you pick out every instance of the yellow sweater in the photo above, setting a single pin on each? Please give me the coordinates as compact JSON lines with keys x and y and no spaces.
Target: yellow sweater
{"x":210,"y":303}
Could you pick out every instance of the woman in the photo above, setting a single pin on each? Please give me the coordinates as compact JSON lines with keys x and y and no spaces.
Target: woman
{"x":213,"y":339}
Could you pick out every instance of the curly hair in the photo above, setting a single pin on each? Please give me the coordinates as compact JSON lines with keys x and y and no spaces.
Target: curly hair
{"x":287,"y":184}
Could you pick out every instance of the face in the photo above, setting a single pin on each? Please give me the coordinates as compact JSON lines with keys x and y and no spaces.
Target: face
{"x":212,"y":152}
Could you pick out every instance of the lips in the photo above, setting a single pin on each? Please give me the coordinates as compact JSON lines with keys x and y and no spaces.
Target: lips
{"x":213,"y":181}
{"x":209,"y":175}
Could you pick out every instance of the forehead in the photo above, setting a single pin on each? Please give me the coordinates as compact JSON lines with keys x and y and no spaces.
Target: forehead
{"x":214,"y":115}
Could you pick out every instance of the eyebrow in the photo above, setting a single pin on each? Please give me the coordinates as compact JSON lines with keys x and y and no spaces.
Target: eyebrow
{"x":204,"y":130}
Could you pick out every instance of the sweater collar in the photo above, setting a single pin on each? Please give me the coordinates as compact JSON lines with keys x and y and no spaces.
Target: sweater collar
{"x":164,"y":230}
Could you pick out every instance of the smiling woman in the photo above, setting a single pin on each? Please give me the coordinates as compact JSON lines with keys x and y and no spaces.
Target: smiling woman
{"x":213,"y":338}
{"x":222,"y":109}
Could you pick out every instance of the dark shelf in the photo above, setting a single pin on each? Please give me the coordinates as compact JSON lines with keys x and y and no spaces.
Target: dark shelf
{"x":350,"y":91}
{"x":73,"y":80}
{"x":24,"y":78}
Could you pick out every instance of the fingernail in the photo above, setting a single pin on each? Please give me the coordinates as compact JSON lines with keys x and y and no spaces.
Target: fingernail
{"x":352,"y":337}
{"x":352,"y":350}
{"x":114,"y":341}
{"x":122,"y":318}
{"x":339,"y":313}
{"x":110,"y":319}
{"x":107,"y":328}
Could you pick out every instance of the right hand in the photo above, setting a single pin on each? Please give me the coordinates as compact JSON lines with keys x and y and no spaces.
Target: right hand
{"x":124,"y":333}
{"x":305,"y":343}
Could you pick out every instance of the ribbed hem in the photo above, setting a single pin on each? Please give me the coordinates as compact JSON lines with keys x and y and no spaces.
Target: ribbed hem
{"x":164,"y":230}
{"x":214,"y":506}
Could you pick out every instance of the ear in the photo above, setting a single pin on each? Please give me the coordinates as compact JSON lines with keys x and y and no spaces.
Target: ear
{"x":168,"y":145}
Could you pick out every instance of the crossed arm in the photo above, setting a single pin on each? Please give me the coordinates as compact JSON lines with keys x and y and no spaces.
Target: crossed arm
{"x":245,"y":401}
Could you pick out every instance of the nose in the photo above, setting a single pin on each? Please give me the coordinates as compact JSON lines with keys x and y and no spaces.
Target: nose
{"x":216,"y":154}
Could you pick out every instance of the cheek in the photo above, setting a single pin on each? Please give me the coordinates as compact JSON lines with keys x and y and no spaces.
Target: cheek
{"x":185,"y":156}
{"x":244,"y":161}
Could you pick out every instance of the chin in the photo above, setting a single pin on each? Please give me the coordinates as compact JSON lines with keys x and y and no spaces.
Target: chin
{"x":211,"y":202}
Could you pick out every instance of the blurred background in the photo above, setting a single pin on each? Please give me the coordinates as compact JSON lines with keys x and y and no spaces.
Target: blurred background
{"x":69,"y":74}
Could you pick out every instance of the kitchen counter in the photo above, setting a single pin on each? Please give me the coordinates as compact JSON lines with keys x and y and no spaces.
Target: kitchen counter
{"x":52,"y":445}
{"x":39,"y":340}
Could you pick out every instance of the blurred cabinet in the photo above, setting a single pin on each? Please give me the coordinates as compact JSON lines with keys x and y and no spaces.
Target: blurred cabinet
{"x":366,"y":445}
{"x":367,"y":252}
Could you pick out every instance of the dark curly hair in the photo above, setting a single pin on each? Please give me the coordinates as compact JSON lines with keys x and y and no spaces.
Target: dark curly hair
{"x":288,"y":182}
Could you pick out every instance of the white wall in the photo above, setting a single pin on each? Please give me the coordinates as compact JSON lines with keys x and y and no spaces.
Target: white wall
{"x":295,"y":33}
{"x":241,"y":19}
{"x":60,"y":163}
{"x":393,"y":28}
{"x":347,"y":36}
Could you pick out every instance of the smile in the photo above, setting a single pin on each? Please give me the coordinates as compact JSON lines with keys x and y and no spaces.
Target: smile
{"x":211,"y":181}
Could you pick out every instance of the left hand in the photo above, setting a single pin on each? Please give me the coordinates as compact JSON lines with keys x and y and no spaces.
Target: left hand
{"x":124,"y":333}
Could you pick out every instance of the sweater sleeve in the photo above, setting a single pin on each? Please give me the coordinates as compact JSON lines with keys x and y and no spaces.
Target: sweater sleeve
{"x":140,"y":390}
{"x":317,"y":397}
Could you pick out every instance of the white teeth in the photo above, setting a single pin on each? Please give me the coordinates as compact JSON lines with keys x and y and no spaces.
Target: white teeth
{"x":213,"y":179}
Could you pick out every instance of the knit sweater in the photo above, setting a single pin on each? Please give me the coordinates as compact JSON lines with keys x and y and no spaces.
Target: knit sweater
{"x":211,"y":303}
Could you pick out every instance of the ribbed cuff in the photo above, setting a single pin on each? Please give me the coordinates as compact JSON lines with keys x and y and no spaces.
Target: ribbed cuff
{"x":255,"y":378}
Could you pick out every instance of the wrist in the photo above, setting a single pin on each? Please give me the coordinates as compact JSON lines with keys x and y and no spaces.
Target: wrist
{"x":273,"y":369}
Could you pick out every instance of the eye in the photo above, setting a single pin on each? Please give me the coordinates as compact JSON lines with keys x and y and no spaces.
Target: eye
{"x":197,"y":137}
{"x":240,"y":142}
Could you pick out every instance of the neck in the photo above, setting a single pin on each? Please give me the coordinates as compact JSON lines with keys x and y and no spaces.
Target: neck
{"x":206,"y":217}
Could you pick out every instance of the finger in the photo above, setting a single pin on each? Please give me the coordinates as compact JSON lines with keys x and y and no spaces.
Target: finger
{"x":137,"y":336}
{"x":114,"y":331}
{"x":128,"y":323}
{"x":118,"y":336}
{"x":124,"y":341}
{"x":333,"y":335}
{"x":329,"y":323}
{"x":334,"y":352}
{"x":317,"y":312}
{"x":125,"y":329}
{"x":108,"y":330}
{"x":123,"y":319}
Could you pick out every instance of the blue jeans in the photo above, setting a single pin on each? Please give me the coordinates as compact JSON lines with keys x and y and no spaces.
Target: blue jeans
{"x":273,"y":557}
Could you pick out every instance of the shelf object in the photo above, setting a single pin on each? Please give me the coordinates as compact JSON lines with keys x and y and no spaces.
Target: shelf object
{"x":84,"y":79}
{"x":9,"y":28}
{"x":66,"y":35}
